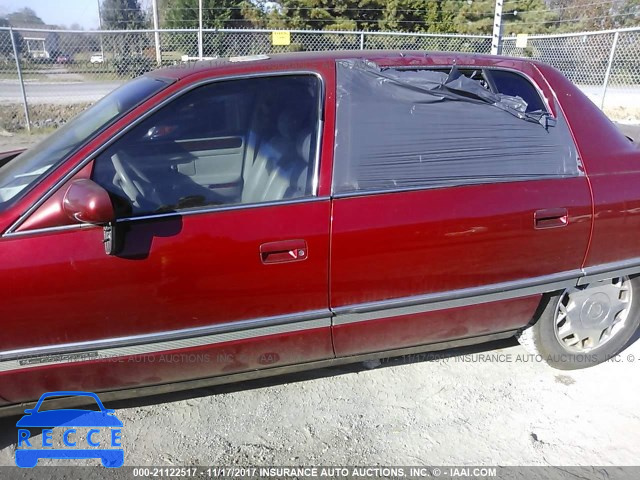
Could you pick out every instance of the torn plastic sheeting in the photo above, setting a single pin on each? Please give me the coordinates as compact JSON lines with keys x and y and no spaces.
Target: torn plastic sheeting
{"x":399,"y":128}
{"x":452,"y":86}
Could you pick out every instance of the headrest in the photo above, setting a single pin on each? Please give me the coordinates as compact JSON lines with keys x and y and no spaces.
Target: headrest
{"x":288,"y":124}
{"x":303,"y":147}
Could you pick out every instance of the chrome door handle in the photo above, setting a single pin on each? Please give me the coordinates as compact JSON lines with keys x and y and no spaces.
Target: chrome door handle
{"x":550,"y":218}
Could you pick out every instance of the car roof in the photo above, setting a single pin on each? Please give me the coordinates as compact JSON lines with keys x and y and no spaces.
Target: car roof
{"x":311,"y":60}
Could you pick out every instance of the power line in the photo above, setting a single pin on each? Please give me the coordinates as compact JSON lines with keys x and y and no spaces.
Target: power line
{"x":569,"y":7}
{"x":507,"y":16}
{"x":404,"y":10}
{"x":578,"y":19}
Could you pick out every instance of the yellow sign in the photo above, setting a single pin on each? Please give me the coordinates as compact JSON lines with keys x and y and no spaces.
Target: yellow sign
{"x":281,"y":37}
{"x":521,"y":40}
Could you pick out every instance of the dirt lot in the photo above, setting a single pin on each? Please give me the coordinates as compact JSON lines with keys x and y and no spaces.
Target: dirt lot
{"x":493,"y":406}
{"x":488,"y":405}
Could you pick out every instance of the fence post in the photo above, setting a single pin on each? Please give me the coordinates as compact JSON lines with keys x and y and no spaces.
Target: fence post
{"x":361,"y":40}
{"x":100,"y":34}
{"x":24,"y":94}
{"x":156,"y":33}
{"x":200,"y":30}
{"x":607,"y":73}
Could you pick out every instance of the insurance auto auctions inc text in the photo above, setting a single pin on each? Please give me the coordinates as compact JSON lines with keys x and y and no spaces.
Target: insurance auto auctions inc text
{"x":351,"y":472}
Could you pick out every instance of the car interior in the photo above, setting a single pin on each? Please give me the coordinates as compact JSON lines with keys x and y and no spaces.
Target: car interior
{"x":244,"y":141}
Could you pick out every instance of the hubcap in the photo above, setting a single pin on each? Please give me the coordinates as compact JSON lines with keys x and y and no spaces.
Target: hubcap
{"x":590,"y":315}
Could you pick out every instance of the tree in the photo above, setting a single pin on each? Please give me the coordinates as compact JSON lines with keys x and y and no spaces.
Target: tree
{"x":628,"y":14}
{"x":584,"y":15}
{"x":122,"y":15}
{"x":6,"y":47}
{"x":25,"y":17}
{"x":330,"y":15}
{"x":215,"y":13}
{"x":527,"y":16}
{"x":433,"y":16}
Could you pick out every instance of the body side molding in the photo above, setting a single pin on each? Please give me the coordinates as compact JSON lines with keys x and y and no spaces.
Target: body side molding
{"x":246,"y":329}
{"x":111,"y":396}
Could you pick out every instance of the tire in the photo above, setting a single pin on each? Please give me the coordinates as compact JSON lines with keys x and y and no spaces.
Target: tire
{"x":583,"y":326}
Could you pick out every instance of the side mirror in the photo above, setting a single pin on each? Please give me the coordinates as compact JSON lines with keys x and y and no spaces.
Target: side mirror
{"x":87,"y":202}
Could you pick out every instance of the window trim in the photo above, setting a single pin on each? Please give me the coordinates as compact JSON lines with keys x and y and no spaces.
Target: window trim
{"x":362,"y":193}
{"x":193,"y":210}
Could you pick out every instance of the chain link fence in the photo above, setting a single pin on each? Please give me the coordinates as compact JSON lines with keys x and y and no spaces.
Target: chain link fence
{"x":71,"y":69}
{"x":605,"y":64}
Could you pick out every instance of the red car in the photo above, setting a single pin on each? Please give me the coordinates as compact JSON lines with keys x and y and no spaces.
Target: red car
{"x":256,"y":216}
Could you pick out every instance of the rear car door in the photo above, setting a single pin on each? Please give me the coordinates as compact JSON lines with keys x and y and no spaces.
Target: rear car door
{"x":221,"y":264}
{"x":453,"y":212}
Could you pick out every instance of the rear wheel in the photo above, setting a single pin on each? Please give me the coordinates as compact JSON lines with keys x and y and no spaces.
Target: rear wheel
{"x":585,"y":325}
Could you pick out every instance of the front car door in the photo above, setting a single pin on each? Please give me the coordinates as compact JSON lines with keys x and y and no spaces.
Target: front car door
{"x":221,"y":257}
{"x":452,"y":212}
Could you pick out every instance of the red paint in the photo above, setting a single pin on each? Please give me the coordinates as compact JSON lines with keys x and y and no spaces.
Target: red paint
{"x":166,"y":367}
{"x":86,"y":201}
{"x":613,"y":165}
{"x":384,"y":247}
{"x":208,"y":268}
{"x":173,"y":273}
{"x":432,"y":327}
{"x":51,"y":213}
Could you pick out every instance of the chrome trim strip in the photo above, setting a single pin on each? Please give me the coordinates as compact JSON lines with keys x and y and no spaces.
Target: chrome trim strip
{"x":102,"y":352}
{"x":140,"y":392}
{"x":61,"y":228}
{"x":148,"y":113}
{"x":240,"y":206}
{"x":180,"y":334}
{"x":210,"y":334}
{"x":380,"y":191}
{"x":607,"y":270}
{"x":454,"y":298}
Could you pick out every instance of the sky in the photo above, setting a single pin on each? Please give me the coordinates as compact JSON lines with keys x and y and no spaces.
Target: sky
{"x":58,"y":12}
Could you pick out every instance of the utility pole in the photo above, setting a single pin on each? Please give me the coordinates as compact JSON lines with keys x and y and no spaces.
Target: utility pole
{"x":156,"y":33}
{"x":200,"y":30}
{"x":496,"y":40}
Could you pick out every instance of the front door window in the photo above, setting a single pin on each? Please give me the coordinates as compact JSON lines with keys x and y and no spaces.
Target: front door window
{"x":233,"y":142}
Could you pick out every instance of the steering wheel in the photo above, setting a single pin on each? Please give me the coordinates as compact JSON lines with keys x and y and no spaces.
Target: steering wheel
{"x":134,"y":183}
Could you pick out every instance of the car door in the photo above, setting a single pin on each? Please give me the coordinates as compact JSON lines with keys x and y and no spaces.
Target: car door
{"x":220,"y":259}
{"x":452,"y":213}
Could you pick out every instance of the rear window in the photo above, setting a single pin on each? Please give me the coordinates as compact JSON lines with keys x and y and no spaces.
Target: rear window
{"x":515,"y":85}
{"x":399,"y":129}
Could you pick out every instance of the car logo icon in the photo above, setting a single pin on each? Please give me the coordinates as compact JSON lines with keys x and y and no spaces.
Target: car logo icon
{"x":80,"y":433}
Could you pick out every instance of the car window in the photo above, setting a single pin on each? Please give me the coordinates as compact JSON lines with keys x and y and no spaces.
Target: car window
{"x":230,"y":142}
{"x":515,"y":85}
{"x":399,"y":129}
{"x":17,"y":176}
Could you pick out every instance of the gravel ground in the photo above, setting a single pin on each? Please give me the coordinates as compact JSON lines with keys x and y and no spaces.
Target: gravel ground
{"x":489,"y":406}
{"x":485,"y":405}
